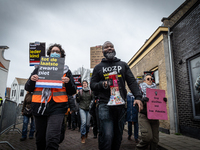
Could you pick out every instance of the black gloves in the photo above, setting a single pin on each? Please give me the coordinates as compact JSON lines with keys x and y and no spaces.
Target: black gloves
{"x":137,"y":107}
{"x":145,"y":99}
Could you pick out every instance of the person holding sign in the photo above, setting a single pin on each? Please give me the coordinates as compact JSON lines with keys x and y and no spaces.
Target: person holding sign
{"x":50,"y":104}
{"x":149,"y":128}
{"x":108,"y":79}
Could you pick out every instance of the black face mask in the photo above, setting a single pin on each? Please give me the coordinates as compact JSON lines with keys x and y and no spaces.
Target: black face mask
{"x":109,"y":55}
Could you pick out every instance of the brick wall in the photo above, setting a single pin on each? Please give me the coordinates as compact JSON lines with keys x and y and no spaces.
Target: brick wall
{"x":153,"y":59}
{"x":186,"y":44}
{"x":178,"y":13}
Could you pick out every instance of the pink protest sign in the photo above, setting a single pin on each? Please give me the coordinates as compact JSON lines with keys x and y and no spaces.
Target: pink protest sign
{"x":156,"y":106}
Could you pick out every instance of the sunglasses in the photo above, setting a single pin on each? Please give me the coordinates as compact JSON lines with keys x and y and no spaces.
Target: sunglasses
{"x":149,"y":79}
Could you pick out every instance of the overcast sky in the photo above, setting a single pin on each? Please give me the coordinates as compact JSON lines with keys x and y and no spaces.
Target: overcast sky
{"x":77,"y":25}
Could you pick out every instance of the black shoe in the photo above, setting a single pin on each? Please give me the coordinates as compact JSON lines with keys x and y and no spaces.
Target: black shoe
{"x":129,"y":137}
{"x":30,"y":137}
{"x":69,"y":128}
{"x":72,"y":129}
{"x":136,"y":141}
{"x":22,"y":139}
{"x":95,"y":137}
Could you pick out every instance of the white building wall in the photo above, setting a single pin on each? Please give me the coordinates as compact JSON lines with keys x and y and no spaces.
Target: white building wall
{"x":3,"y":72}
{"x":14,"y":90}
{"x":21,"y":97}
{"x":3,"y":82}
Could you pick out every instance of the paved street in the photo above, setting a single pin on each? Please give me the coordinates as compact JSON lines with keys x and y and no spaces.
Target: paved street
{"x":72,"y":141}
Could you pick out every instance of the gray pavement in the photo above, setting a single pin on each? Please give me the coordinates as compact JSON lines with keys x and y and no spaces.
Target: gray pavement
{"x":72,"y":141}
{"x":178,"y":142}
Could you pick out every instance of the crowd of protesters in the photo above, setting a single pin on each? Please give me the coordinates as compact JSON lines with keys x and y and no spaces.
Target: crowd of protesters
{"x":55,"y":109}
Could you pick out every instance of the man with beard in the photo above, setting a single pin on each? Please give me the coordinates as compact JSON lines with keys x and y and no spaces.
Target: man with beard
{"x":112,"y":118}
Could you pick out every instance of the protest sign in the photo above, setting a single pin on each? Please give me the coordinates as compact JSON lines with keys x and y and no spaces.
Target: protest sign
{"x":156,"y":106}
{"x":50,"y":72}
{"x":36,"y":50}
{"x":77,"y":81}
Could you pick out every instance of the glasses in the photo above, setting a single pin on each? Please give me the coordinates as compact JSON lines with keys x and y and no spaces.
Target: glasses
{"x":53,"y":51}
{"x":149,"y":79}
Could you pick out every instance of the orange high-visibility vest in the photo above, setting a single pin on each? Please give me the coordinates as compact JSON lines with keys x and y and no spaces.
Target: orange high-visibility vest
{"x":59,"y":95}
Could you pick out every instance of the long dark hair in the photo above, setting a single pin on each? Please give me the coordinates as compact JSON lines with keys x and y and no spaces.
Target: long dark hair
{"x":59,"y":46}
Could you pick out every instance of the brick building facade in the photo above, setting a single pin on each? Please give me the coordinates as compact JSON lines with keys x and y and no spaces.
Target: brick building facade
{"x":153,"y":56}
{"x":185,"y":42}
{"x":173,"y":52}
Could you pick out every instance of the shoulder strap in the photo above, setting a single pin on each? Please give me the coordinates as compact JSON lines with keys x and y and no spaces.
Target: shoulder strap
{"x":90,"y":92}
{"x":81,"y":92}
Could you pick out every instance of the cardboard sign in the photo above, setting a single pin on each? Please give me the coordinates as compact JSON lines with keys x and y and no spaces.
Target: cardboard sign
{"x":156,"y":106}
{"x":77,"y":80}
{"x":36,"y":50}
{"x":50,"y":72}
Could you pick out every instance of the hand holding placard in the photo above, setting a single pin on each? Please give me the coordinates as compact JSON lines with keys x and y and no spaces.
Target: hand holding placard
{"x":34,"y":77}
{"x":65,"y":79}
{"x":156,"y":107}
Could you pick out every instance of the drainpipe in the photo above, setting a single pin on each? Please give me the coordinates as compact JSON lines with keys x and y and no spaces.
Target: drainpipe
{"x":173,"y":82}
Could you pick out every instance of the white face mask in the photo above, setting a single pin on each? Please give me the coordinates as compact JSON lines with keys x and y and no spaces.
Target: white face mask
{"x":54,"y":54}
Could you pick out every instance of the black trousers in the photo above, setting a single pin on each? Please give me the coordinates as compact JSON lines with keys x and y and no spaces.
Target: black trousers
{"x":48,"y":130}
{"x":69,"y":121}
{"x":74,"y":120}
{"x":94,"y":124}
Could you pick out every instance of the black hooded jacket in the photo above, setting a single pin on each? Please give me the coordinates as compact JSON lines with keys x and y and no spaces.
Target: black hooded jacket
{"x":101,"y":73}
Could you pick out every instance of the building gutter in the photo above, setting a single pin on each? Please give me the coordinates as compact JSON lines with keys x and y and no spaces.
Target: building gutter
{"x":173,"y":82}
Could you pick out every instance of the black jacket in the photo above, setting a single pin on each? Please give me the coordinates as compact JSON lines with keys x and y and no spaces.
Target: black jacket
{"x":53,"y":107}
{"x":101,"y":72}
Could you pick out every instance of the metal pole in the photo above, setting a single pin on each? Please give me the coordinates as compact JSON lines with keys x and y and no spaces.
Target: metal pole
{"x":173,"y":81}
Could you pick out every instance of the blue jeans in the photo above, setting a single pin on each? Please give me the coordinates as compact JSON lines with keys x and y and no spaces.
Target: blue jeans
{"x":25,"y":127}
{"x":111,"y":126}
{"x":135,"y":129}
{"x":85,"y":121}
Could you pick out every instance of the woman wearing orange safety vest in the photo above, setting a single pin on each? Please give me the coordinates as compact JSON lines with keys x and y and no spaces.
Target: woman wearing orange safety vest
{"x":50,"y":104}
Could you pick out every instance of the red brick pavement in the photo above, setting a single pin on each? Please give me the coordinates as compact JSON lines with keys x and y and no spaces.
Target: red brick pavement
{"x":72,"y":141}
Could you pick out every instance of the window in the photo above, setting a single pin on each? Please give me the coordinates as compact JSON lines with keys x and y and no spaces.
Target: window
{"x":13,"y":93}
{"x":194,"y":72}
{"x":22,"y":93}
{"x":156,"y":75}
